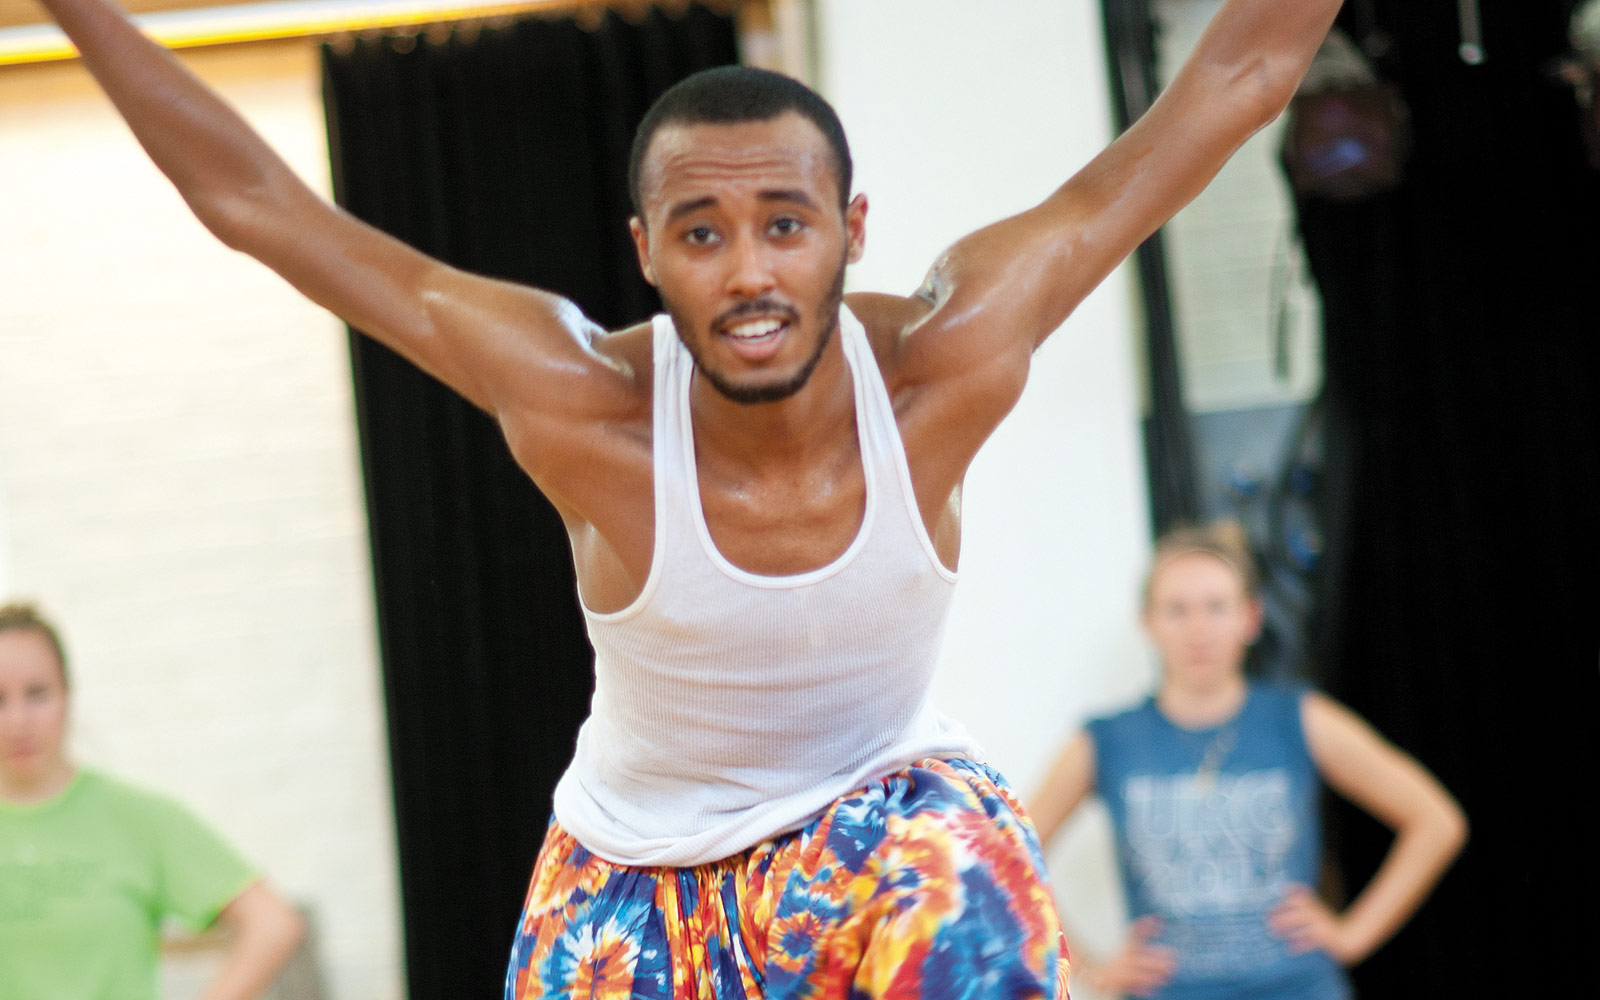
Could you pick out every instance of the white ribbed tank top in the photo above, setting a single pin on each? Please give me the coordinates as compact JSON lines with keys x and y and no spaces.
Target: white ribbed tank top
{"x":730,"y":707}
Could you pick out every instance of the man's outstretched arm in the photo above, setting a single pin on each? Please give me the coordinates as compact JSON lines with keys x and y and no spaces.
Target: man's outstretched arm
{"x":484,"y":338}
{"x":1003,"y":289}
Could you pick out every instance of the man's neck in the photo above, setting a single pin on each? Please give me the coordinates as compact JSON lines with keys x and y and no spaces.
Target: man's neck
{"x":787,"y":433}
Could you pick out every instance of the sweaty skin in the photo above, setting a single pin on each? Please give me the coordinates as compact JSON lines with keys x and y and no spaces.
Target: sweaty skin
{"x":574,"y":403}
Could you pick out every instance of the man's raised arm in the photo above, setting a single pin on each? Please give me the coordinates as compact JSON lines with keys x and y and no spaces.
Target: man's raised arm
{"x":484,"y":338}
{"x":1007,"y":286}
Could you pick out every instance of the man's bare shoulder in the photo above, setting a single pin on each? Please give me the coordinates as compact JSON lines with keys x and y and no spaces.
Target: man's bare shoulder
{"x":609,"y":380}
{"x":917,"y":344}
{"x":631,"y":350}
{"x":597,"y":415}
{"x":888,"y":320}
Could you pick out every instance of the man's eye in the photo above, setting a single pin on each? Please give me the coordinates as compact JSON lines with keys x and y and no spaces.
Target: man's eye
{"x":700,"y":235}
{"x":786,"y":227}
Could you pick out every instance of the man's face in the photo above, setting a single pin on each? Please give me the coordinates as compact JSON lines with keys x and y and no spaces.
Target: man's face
{"x":743,"y":236}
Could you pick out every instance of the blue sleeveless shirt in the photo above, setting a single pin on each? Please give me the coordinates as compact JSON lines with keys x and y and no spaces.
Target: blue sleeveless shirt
{"x":1212,"y":826}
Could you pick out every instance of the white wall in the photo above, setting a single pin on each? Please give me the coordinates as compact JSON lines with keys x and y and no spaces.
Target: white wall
{"x":5,"y":542}
{"x":958,"y":114}
{"x":1226,"y":252}
{"x":182,"y":492}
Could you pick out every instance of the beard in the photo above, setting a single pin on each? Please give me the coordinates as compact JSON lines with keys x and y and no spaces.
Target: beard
{"x":752,"y":395}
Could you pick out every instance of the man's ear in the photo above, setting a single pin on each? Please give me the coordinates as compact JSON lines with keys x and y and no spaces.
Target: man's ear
{"x":641,"y":245}
{"x":855,"y":225}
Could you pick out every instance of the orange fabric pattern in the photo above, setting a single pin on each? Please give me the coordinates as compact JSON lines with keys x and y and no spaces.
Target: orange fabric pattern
{"x":926,"y":883}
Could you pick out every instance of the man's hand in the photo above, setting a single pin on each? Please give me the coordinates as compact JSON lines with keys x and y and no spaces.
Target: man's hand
{"x":1139,"y":968}
{"x":1303,"y":920}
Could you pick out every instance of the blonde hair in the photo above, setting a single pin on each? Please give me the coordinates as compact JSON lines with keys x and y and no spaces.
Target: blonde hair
{"x":22,"y":616}
{"x":1223,"y":539}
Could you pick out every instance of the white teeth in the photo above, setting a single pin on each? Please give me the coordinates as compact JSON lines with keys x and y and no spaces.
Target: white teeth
{"x":755,"y":329}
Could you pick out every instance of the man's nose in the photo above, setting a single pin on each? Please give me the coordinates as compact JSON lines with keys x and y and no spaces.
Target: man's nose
{"x":750,"y":269}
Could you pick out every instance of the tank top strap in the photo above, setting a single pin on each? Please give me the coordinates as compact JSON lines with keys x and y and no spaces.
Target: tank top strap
{"x":673,"y":434}
{"x":887,"y":464}
{"x":673,"y":519}
{"x":674,"y":367}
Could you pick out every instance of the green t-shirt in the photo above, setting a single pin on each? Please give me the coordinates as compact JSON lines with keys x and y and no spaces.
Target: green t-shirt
{"x":88,"y":878}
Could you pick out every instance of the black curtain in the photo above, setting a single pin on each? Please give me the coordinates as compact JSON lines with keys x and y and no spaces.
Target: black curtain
{"x":502,"y":151}
{"x":1457,"y":603}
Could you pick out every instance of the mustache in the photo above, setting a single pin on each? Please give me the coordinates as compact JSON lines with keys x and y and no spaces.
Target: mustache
{"x":756,"y":307}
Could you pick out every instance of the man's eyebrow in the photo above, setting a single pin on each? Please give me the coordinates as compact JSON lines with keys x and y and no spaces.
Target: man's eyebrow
{"x":795,"y":195}
{"x":683,"y":208}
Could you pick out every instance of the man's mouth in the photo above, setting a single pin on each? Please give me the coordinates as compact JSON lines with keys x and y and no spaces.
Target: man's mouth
{"x":755,"y":331}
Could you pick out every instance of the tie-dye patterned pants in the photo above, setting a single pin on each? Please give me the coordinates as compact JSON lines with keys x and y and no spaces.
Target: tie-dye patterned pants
{"x":926,"y":883}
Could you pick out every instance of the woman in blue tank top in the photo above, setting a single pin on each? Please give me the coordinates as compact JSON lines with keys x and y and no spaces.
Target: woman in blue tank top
{"x":1212,"y":785}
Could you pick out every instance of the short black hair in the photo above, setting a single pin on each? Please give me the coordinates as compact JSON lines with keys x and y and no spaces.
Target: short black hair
{"x":729,"y":95}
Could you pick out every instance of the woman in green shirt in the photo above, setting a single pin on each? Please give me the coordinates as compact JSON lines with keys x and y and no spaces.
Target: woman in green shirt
{"x":90,"y":867}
